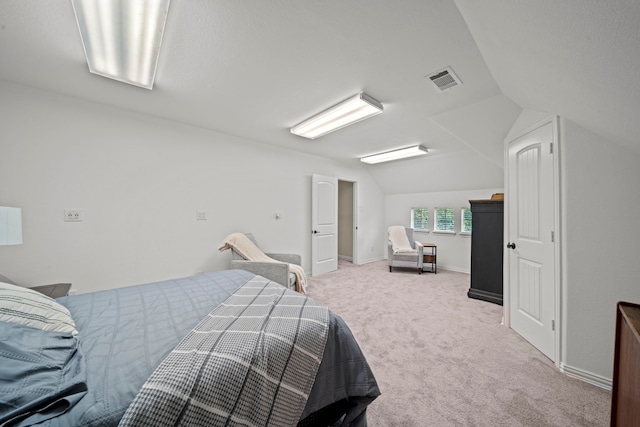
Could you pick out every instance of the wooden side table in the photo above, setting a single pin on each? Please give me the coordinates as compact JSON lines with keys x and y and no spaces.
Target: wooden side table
{"x":430,"y":258}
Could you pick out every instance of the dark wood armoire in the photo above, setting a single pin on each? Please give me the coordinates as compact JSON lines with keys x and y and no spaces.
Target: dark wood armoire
{"x":487,"y":243}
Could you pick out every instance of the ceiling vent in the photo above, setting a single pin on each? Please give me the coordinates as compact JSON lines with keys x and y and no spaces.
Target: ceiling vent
{"x":444,"y":79}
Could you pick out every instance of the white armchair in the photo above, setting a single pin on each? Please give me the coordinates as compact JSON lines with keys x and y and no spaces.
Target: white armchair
{"x":404,"y":253}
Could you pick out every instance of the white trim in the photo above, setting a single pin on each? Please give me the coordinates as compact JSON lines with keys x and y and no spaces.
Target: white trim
{"x":587,"y":377}
{"x":345,"y":258}
{"x":455,"y":269}
{"x":557,"y":236}
{"x":354,"y":222}
{"x":506,"y":292}
{"x":440,"y":266}
{"x":370,"y":260}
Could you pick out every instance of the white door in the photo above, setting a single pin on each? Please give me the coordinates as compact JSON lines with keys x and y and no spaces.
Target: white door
{"x":531,"y":247}
{"x":324,"y":224}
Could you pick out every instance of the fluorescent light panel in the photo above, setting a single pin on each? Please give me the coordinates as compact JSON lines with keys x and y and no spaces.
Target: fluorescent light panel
{"x":348,"y":112}
{"x":122,"y":38}
{"x":417,"y":150}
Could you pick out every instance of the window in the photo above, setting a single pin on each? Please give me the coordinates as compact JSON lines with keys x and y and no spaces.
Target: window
{"x":444,"y":220}
{"x":465,"y":221}
{"x":420,"y":219}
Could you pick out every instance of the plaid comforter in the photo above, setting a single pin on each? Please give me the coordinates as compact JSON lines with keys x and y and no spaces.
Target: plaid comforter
{"x":251,"y":362}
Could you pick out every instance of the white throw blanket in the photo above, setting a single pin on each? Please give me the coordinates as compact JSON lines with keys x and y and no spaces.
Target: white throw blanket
{"x":399,"y":241}
{"x":240,"y":243}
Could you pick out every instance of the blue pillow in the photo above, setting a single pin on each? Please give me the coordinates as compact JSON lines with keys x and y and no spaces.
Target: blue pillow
{"x":42,"y":374}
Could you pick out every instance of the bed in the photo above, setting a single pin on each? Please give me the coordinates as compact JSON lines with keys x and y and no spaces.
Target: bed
{"x":127,"y":336}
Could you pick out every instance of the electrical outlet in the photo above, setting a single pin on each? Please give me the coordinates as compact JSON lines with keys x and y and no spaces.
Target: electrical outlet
{"x":201,"y":215}
{"x":72,"y":215}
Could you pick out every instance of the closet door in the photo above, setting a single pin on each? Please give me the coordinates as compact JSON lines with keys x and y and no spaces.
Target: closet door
{"x":531,"y":238}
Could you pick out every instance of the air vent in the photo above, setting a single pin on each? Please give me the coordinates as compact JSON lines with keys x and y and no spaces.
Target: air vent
{"x":444,"y":79}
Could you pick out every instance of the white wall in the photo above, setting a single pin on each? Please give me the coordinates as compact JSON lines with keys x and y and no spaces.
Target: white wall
{"x":139,"y":181}
{"x":456,"y":171}
{"x":454,"y":251}
{"x":600,"y":181}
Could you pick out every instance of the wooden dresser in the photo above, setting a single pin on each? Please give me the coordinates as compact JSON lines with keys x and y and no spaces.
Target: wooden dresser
{"x":487,"y":243}
{"x":625,"y":396}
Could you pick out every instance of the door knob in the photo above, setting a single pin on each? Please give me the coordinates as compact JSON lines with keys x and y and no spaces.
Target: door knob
{"x":511,"y":245}
{"x":315,"y":231}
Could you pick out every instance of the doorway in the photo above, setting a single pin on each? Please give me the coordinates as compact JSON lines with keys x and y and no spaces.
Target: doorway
{"x":346,"y":221}
{"x":328,"y":231}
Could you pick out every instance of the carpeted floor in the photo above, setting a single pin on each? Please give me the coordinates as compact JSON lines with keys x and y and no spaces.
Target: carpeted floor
{"x":443,"y":359}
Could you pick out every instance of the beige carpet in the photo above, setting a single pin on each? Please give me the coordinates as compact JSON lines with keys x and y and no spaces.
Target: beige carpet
{"x":443,"y":359}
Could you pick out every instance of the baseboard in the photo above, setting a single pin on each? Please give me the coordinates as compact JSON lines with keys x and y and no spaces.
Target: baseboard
{"x":345,"y":258}
{"x":587,"y":377}
{"x":443,"y":267}
{"x":370,"y":260}
{"x":450,"y":268}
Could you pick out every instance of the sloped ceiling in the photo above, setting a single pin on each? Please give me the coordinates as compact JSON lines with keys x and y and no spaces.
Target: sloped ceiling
{"x":482,"y":125}
{"x":255,"y":68}
{"x":575,"y":58}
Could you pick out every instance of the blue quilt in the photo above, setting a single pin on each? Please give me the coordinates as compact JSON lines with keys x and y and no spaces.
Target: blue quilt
{"x":42,"y":374}
{"x":125,"y":333}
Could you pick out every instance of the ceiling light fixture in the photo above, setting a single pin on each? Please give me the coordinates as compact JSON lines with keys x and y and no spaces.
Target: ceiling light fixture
{"x":122,"y":39}
{"x":348,"y":112}
{"x":417,"y":150}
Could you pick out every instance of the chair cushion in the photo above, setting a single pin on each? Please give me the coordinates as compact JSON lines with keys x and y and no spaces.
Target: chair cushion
{"x":405,"y":257}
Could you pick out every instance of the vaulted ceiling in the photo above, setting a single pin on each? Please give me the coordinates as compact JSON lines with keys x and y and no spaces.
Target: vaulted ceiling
{"x":255,"y":68}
